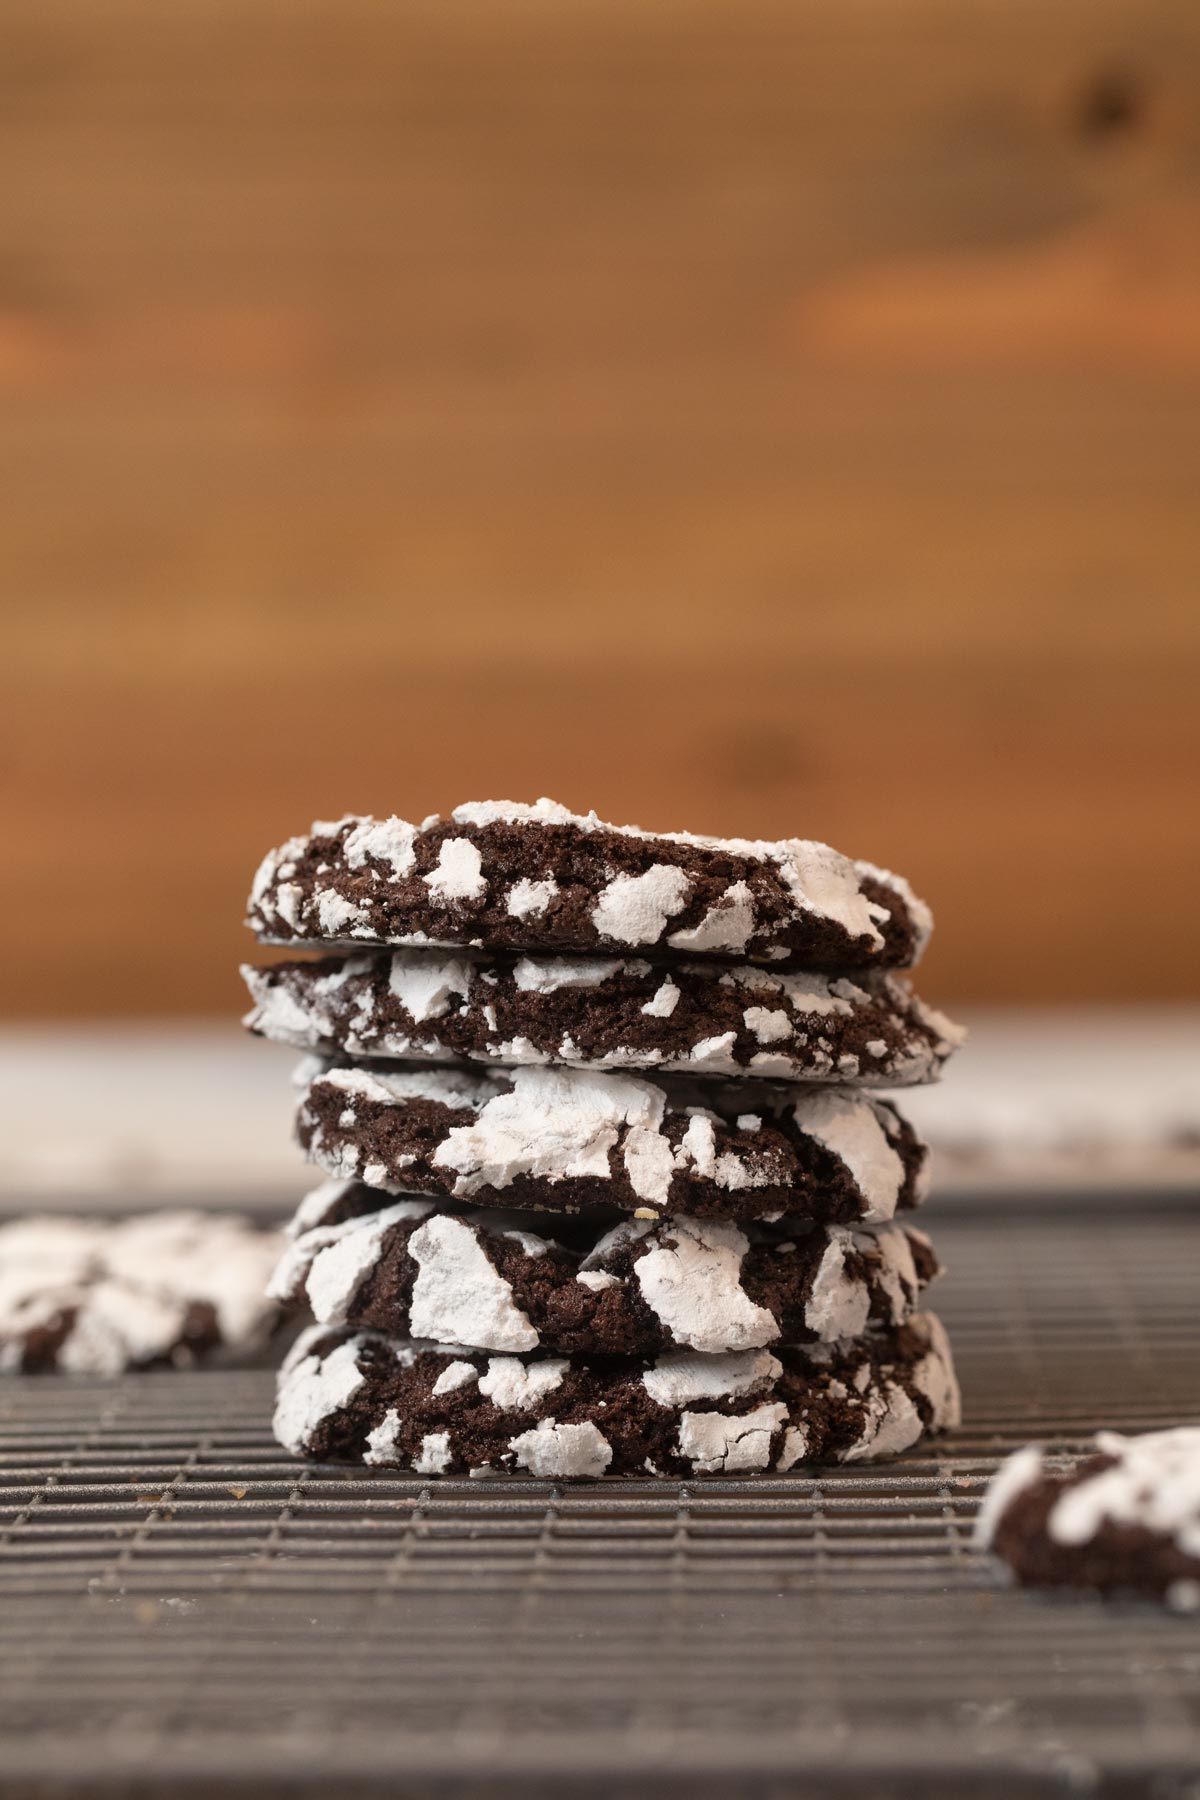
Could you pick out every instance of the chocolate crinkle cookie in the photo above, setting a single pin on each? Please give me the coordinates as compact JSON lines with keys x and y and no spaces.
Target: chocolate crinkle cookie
{"x":612,"y":1012}
{"x":95,"y":1296}
{"x":423,"y":1269}
{"x":501,"y":876}
{"x":568,"y":1139}
{"x":1126,"y":1520}
{"x":436,"y":1409}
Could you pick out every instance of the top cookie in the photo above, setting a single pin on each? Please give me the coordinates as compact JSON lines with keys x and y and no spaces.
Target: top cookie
{"x":501,"y":876}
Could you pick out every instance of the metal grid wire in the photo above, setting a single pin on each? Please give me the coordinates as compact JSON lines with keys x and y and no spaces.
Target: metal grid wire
{"x":182,"y":1606}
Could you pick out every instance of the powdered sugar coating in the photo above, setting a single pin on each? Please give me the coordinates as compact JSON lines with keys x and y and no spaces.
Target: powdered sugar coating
{"x":554,"y":1452}
{"x":634,"y":909}
{"x":715,"y":1444}
{"x":698,"y":1284}
{"x":314,"y":1388}
{"x":692,"y":1281}
{"x":458,"y":1295}
{"x":571,"y":1419}
{"x":512,"y":1384}
{"x":454,"y":1376}
{"x":496,"y":870}
{"x":682,"y":1376}
{"x":459,"y":871}
{"x":857,"y":1135}
{"x":622,"y":1013}
{"x":553,"y":1138}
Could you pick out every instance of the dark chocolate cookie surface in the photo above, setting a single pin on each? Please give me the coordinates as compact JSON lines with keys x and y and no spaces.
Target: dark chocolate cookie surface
{"x":1126,"y":1520}
{"x":362,"y":1397}
{"x":618,"y":1012}
{"x":568,"y":1139}
{"x":501,"y":876}
{"x":496,"y":1281}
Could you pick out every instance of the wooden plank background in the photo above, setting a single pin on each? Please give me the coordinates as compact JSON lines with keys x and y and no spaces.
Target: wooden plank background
{"x":760,"y":417}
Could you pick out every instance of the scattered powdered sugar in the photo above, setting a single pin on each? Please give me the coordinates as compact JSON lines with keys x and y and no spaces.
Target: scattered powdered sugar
{"x":715,"y":1052}
{"x":825,"y":883}
{"x":559,"y":1124}
{"x":458,"y":1296}
{"x":312,"y":1390}
{"x":380,"y":840}
{"x":383,"y":1444}
{"x":545,"y":975}
{"x":633,"y":909}
{"x":716,"y":1443}
{"x":768,"y":1024}
{"x":435,"y":1455}
{"x":516,"y":812}
{"x":530,"y":899}
{"x":682,"y":1376}
{"x":557,"y":1452}
{"x":839,"y":1303}
{"x":850,"y":1126}
{"x":692,"y":1282}
{"x":277,"y":1013}
{"x":895,"y":1272}
{"x":918,"y":912}
{"x":516,"y":1386}
{"x":454,"y":1376}
{"x":626,"y":1231}
{"x":425,"y":987}
{"x":340,"y":1258}
{"x":795,"y":1448}
{"x":891,"y":1423}
{"x":699,"y":1143}
{"x":530,"y":1243}
{"x":727,"y":925}
{"x":664,"y":1000}
{"x":598,"y":1279}
{"x":317,"y":1205}
{"x":336,"y":915}
{"x":459,"y":872}
{"x":450,"y":1087}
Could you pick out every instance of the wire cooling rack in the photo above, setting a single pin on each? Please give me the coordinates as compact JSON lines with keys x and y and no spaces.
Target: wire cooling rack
{"x":185,"y":1609}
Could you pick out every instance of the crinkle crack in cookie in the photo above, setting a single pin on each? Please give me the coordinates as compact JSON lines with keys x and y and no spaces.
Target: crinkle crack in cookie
{"x":618,"y":1012}
{"x":565,"y":1139}
{"x":1126,"y":1519}
{"x":421,"y":1269}
{"x":503,"y":876}
{"x":436,"y":1409}
{"x":90,"y":1296}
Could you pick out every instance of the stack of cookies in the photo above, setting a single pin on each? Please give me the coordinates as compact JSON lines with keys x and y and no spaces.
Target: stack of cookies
{"x":611,"y":1190}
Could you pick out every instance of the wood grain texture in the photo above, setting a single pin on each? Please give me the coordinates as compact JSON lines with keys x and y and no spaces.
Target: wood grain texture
{"x":763,"y":418}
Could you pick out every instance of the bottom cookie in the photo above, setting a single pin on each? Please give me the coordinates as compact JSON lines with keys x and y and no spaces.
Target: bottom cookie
{"x":437,"y":1409}
{"x":1125,"y":1520}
